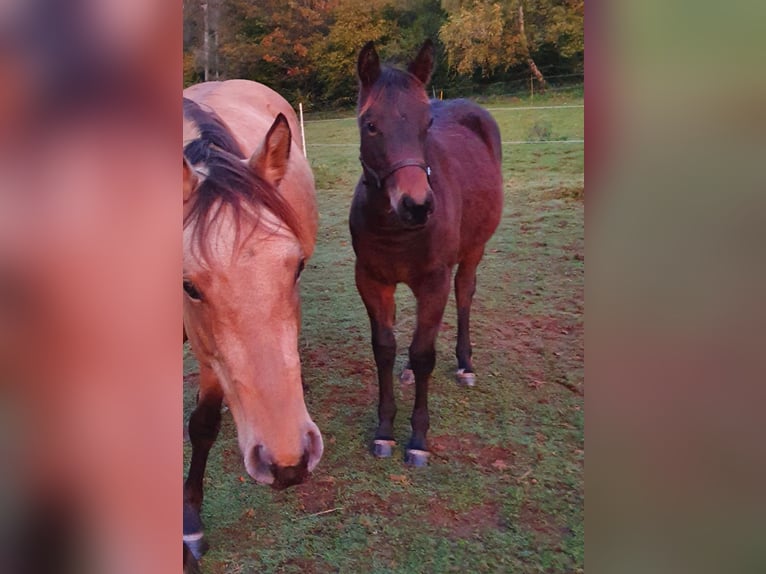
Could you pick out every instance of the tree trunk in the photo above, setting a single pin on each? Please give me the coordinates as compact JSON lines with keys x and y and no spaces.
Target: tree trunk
{"x":206,"y":40}
{"x":525,"y":47}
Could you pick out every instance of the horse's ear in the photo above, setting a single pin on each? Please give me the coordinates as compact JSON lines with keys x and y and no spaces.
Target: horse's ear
{"x":423,"y":64}
{"x":191,"y":181}
{"x":368,"y":66}
{"x":271,"y":158}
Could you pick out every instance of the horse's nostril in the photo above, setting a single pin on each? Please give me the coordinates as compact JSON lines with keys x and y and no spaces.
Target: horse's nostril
{"x":315,"y":448}
{"x":285,"y":476}
{"x":260,"y":462}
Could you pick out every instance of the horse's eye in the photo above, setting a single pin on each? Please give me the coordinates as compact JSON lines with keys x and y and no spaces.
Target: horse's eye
{"x":301,"y":267}
{"x":430,"y":122}
{"x":371,"y":129}
{"x":191,"y":291}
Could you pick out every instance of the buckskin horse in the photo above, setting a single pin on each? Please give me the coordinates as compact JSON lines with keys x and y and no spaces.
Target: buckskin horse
{"x":429,"y":198}
{"x":250,"y":223}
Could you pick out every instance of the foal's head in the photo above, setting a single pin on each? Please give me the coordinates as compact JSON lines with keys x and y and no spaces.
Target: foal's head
{"x":242,"y":263}
{"x":394,"y":116}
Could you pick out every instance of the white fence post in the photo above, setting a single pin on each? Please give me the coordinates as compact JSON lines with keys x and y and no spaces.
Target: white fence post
{"x":303,"y":133}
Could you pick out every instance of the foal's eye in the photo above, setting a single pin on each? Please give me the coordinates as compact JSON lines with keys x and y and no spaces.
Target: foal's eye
{"x":301,"y":267}
{"x":191,"y":291}
{"x":371,"y":128}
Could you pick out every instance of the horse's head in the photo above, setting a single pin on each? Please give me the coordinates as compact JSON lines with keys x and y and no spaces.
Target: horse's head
{"x":394,"y":116}
{"x":241,"y":302}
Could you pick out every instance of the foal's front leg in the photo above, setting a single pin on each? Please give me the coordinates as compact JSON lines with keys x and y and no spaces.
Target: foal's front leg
{"x":378,"y":298}
{"x":431,"y":294}
{"x":204,"y":424}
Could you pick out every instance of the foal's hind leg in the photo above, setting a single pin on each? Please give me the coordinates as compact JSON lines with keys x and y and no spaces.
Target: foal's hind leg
{"x":465,"y":287}
{"x":431,"y":294}
{"x":381,"y":308}
{"x":204,"y":424}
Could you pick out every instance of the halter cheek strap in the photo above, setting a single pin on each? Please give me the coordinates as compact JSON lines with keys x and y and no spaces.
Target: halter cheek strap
{"x":379,"y":178}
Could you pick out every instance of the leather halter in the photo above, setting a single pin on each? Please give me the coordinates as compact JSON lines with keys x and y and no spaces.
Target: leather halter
{"x":379,"y":178}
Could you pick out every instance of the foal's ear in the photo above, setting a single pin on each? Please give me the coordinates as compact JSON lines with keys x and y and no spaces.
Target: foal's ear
{"x":191,"y":181}
{"x":368,"y":66}
{"x":271,"y":158}
{"x":423,"y":64}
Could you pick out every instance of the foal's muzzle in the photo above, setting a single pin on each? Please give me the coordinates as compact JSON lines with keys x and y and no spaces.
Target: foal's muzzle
{"x":415,"y":214}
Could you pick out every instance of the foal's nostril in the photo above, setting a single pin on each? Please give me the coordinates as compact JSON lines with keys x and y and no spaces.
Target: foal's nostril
{"x":416,"y":213}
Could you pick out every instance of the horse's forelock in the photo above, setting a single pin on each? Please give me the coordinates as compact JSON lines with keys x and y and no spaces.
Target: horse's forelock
{"x":229,"y":183}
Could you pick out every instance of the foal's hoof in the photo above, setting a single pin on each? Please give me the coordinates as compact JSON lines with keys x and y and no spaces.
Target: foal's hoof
{"x":197,"y":544}
{"x":415,"y":457}
{"x":383,"y":448}
{"x":407,"y":377}
{"x":465,"y":379}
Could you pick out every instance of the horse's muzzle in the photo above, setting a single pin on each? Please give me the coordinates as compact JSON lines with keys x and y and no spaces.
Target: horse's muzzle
{"x":415,"y":214}
{"x":265,"y":469}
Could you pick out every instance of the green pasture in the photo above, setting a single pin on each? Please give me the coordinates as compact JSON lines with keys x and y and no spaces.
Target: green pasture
{"x":504,"y":489}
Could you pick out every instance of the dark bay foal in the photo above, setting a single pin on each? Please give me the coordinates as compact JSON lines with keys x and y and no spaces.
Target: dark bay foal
{"x":430,"y":197}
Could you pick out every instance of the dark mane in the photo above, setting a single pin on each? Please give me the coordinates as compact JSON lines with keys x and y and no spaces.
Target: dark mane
{"x":229,"y":182}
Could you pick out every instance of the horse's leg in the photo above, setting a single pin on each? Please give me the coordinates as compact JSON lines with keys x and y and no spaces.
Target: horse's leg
{"x":191,"y":566}
{"x":465,"y":287}
{"x":431,"y":295}
{"x":379,"y":301}
{"x":204,"y":425}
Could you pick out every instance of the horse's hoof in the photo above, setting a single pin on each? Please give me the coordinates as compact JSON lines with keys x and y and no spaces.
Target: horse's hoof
{"x":383,"y":448}
{"x":197,"y":544}
{"x":465,"y":379}
{"x":191,"y":566}
{"x":417,"y":458}
{"x":407,"y":377}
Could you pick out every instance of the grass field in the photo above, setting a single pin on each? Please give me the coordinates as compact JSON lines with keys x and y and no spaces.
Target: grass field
{"x":504,"y":490}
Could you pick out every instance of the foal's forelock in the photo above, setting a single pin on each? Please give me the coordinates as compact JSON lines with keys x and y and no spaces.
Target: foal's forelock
{"x":391,"y":79}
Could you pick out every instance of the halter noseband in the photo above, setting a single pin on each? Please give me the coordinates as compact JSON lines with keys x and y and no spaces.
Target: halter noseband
{"x":380,"y":178}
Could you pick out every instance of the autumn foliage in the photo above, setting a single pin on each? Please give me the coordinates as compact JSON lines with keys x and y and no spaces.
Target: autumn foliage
{"x":306,"y":49}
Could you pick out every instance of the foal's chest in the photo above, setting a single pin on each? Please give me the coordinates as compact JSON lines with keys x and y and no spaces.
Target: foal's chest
{"x":399,"y":258}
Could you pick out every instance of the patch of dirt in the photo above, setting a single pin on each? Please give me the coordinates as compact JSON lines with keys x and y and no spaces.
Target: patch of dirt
{"x":305,"y":565}
{"x":549,"y":347}
{"x":318,"y":495}
{"x":467,"y":524}
{"x":546,"y":528}
{"x":371,"y":503}
{"x":472,"y":449}
{"x":571,"y":193}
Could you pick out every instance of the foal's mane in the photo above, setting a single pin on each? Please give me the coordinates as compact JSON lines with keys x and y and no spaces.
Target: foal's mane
{"x":229,"y":181}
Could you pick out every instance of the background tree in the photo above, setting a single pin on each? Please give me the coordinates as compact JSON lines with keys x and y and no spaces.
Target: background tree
{"x":307,"y":49}
{"x":496,"y":36}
